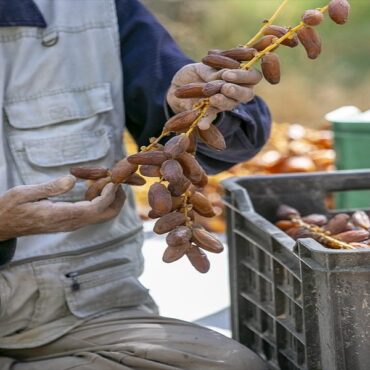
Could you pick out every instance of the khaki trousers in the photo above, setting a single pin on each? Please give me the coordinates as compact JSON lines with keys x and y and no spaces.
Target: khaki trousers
{"x":136,"y":342}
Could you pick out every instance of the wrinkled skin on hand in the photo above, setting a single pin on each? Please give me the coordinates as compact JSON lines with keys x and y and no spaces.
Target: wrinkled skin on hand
{"x":25,"y":210}
{"x":238,"y":89}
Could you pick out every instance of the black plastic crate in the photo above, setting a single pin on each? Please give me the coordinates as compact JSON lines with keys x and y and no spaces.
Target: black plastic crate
{"x":298,"y":304}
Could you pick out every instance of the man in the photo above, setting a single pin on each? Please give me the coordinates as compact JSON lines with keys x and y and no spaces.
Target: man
{"x":74,"y":73}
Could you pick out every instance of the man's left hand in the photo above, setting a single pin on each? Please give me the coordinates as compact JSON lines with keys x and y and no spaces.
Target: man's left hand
{"x":237,"y":89}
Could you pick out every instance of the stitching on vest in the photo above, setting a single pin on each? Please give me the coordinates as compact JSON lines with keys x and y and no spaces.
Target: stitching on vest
{"x":114,"y":15}
{"x":38,"y":34}
{"x":16,"y":99}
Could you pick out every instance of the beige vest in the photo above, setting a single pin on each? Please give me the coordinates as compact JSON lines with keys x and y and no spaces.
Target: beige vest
{"x":61,"y":93}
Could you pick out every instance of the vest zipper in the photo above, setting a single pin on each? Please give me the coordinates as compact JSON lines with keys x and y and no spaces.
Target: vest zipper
{"x":75,"y":284}
{"x":74,"y":275}
{"x":76,"y":252}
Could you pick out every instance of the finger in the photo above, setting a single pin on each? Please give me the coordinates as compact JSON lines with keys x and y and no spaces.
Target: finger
{"x":236,"y":92}
{"x":115,"y":208}
{"x":222,"y":103}
{"x":32,"y":193}
{"x":207,"y":73}
{"x":186,"y":74}
{"x":207,"y":120}
{"x":241,"y":76}
{"x":102,"y":202}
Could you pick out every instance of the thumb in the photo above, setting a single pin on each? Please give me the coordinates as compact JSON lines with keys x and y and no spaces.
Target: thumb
{"x":32,"y":193}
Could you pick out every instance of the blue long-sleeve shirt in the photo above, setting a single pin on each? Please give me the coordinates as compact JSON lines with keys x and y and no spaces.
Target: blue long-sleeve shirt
{"x":246,"y":128}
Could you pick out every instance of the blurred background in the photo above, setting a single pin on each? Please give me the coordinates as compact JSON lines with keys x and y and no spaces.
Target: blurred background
{"x":309,"y":89}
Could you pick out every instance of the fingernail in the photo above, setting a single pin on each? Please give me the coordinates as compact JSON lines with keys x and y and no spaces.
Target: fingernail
{"x":66,"y":181}
{"x":203,"y":125}
{"x":231,"y":76}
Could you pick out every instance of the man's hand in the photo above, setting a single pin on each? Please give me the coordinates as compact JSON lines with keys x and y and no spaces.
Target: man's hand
{"x":238,"y":89}
{"x":24,"y":210}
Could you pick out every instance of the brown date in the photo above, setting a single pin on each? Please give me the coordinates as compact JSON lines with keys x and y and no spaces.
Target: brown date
{"x":339,"y":11}
{"x":96,"y":188}
{"x":149,"y":170}
{"x":168,"y":222}
{"x":181,"y":121}
{"x":212,"y":137}
{"x":89,"y":173}
{"x":192,"y":169}
{"x":198,"y":259}
{"x":172,"y":254}
{"x":171,"y":171}
{"x":160,"y":199}
{"x":279,"y":31}
{"x":271,"y":68}
{"x":201,"y":205}
{"x":311,"y":41}
{"x":218,"y":61}
{"x":203,"y":239}
{"x":312,"y":17}
{"x":153,"y":157}
{"x":177,"y":145}
{"x":135,"y":180}
{"x":264,"y":42}
{"x":180,"y":235}
{"x":122,"y":170}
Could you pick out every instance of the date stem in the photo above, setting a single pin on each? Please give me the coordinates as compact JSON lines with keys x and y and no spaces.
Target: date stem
{"x":269,"y":22}
{"x":292,"y":31}
{"x":323,"y":235}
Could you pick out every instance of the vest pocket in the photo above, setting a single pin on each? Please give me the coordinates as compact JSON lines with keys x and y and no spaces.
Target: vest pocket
{"x":53,"y":131}
{"x":41,"y":160}
{"x":103,"y":287}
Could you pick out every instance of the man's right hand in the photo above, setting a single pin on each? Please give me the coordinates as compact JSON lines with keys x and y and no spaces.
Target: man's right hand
{"x":25,"y":210}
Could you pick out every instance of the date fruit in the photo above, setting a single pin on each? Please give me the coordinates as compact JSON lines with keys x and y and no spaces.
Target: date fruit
{"x":212,"y":137}
{"x":176,"y":146}
{"x":312,"y":17}
{"x":153,"y":157}
{"x":218,"y":61}
{"x":311,"y":41}
{"x":198,"y":259}
{"x":89,"y":173}
{"x":279,"y":32}
{"x":160,"y":199}
{"x":122,"y":170}
{"x":168,"y":222}
{"x":271,"y":68}
{"x":339,"y":11}
{"x":181,"y":121}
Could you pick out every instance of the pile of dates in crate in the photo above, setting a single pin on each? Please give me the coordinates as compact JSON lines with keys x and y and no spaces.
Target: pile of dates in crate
{"x":341,"y":231}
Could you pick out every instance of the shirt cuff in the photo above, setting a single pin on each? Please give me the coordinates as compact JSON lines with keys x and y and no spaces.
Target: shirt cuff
{"x":7,"y":250}
{"x":248,"y":124}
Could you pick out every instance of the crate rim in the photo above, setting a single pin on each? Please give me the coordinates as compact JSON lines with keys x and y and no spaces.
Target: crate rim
{"x":232,"y":184}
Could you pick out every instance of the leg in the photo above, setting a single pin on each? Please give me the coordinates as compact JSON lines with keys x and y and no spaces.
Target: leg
{"x":139,"y":343}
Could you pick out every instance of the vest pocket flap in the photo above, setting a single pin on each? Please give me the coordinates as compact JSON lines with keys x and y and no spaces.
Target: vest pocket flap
{"x":59,"y":106}
{"x":70,"y":149}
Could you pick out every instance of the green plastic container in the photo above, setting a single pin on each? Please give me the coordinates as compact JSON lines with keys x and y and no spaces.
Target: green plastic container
{"x":351,"y":130}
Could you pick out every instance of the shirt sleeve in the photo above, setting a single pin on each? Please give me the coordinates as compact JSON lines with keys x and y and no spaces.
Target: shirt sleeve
{"x":150,"y":59}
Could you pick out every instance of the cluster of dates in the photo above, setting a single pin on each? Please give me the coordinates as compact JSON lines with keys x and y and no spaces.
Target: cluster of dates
{"x":175,"y":198}
{"x":270,"y":62}
{"x":336,"y":232}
